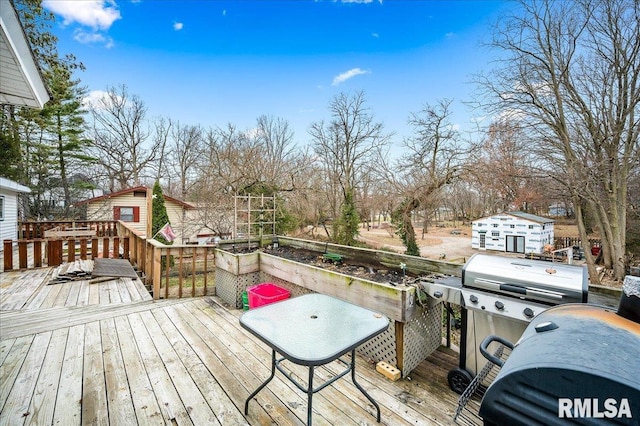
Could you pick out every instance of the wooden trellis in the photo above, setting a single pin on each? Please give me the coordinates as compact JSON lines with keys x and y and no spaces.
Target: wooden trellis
{"x":254,"y":216}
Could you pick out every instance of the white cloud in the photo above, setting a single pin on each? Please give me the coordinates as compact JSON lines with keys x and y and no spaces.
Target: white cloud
{"x":178,"y":26}
{"x":85,"y":37}
{"x":341,"y":78}
{"x":95,"y":99}
{"x":375,"y":35}
{"x":97,"y":14}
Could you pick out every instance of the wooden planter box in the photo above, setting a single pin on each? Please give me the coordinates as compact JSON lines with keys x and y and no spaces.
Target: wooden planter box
{"x":414,"y":333}
{"x":234,"y":273}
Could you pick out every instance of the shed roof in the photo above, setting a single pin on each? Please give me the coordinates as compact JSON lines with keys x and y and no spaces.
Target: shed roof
{"x":140,"y":188}
{"x":522,"y":215}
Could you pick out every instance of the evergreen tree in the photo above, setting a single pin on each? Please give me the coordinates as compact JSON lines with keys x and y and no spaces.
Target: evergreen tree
{"x":43,"y":145}
{"x":159,"y":212}
{"x":346,"y":227}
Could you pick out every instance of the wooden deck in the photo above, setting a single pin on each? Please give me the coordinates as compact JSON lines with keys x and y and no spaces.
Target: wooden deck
{"x":104,"y":353}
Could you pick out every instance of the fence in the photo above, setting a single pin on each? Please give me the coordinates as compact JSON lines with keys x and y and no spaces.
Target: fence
{"x":171,"y":271}
{"x":31,"y":230}
{"x":36,"y":253}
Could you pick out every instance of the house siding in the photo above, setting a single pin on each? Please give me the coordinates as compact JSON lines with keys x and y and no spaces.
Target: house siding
{"x":104,"y":210}
{"x":9,"y":224}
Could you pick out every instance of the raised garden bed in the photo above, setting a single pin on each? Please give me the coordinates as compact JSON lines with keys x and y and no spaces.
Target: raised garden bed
{"x":379,"y":282}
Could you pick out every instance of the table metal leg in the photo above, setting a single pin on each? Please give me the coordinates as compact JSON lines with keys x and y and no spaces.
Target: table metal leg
{"x":310,"y":392}
{"x":353,"y":378}
{"x":255,"y":392}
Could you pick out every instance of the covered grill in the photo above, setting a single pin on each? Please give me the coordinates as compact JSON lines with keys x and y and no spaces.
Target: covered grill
{"x":576,"y":364}
{"x":501,"y":295}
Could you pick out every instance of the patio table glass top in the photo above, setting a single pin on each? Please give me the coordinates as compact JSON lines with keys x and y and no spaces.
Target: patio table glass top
{"x":313,"y":329}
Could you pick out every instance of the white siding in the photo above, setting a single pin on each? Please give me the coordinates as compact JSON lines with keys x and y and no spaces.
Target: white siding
{"x":498,"y":227}
{"x":9,"y":226}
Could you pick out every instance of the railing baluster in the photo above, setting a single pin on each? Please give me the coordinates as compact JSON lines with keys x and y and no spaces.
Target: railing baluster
{"x":37,"y":253}
{"x":8,"y":255}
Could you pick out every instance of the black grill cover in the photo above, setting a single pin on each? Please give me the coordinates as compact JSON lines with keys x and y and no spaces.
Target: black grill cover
{"x":589,"y":356}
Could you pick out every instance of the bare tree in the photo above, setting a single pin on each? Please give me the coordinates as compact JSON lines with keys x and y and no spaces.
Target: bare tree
{"x":434,"y":158}
{"x":570,"y":72}
{"x":119,"y":134}
{"x":183,"y":157}
{"x":346,"y":147}
{"x":162,"y":128}
{"x":260,"y":161}
{"x":506,"y":169}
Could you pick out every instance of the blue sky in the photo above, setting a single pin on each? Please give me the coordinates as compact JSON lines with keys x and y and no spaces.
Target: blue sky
{"x":214,"y":62}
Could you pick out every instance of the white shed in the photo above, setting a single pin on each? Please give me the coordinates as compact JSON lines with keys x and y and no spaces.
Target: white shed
{"x":9,"y":191}
{"x":512,"y":232}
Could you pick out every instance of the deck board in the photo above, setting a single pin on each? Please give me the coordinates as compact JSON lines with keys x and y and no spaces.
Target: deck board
{"x":105,"y":353}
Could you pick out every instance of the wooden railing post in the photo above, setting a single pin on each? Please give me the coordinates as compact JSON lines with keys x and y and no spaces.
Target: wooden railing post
{"x":105,"y":247}
{"x":22,"y":254}
{"x":54,"y":252}
{"x":125,"y":244}
{"x":83,"y":249}
{"x":8,"y":255}
{"x":37,"y":253}
{"x":157,"y":270}
{"x":94,"y":248}
{"x":71,"y":250}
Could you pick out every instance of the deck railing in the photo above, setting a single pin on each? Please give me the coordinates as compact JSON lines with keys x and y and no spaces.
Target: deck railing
{"x":171,"y":271}
{"x":39,"y":252}
{"x":31,"y":230}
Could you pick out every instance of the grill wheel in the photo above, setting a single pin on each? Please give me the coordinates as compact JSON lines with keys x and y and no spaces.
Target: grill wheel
{"x":459,"y":379}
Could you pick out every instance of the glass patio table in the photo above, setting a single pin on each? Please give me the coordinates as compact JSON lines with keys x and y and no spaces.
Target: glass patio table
{"x":313,"y":330}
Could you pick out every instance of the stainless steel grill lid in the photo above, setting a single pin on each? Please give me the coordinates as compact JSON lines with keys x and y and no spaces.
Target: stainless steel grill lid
{"x":547,"y":282}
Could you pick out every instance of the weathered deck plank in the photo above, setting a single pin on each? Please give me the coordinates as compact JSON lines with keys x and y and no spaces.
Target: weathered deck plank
{"x":68,"y":409}
{"x":79,"y":353}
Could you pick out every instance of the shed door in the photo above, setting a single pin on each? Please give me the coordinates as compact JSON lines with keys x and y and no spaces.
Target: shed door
{"x":483,"y":240}
{"x":515,"y":244}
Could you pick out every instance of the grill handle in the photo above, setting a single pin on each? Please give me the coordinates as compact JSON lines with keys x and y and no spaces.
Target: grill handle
{"x":484,"y":348}
{"x":514,"y":288}
{"x":527,"y":291}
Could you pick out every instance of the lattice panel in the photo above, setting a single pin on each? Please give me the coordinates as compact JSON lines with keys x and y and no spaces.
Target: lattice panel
{"x":294,"y":289}
{"x":422,"y":336}
{"x":229,"y":287}
{"x":382,"y":347}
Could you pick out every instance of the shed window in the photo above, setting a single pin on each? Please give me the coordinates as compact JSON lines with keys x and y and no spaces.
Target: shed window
{"x":126,"y":214}
{"x":1,"y":208}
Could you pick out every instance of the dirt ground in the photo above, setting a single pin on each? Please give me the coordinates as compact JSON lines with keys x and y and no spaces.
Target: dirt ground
{"x":443,"y":242}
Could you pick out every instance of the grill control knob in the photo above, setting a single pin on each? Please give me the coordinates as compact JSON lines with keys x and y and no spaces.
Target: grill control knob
{"x":473,"y":298}
{"x":499,"y":305}
{"x":437,"y":294}
{"x":528,"y":312}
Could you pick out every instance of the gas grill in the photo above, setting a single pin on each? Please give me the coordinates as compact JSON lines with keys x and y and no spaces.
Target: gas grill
{"x":576,"y":363}
{"x":500,"y":296}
